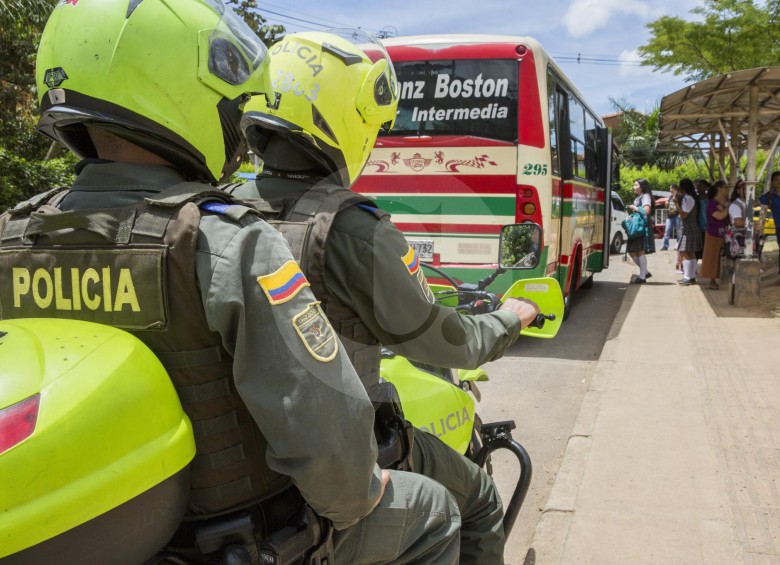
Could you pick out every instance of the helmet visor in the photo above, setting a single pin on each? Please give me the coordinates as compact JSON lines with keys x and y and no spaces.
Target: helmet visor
{"x":234,"y":51}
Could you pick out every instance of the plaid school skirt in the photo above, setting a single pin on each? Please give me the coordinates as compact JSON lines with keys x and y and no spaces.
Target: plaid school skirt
{"x":691,"y":239}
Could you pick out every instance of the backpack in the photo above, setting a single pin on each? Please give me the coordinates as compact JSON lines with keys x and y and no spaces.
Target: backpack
{"x":702,"y":215}
{"x":635,"y":225}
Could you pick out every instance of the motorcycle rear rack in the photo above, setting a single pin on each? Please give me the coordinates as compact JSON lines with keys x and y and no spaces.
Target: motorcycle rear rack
{"x":498,"y":435}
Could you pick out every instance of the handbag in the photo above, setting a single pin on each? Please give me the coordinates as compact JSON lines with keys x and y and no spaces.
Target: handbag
{"x":734,"y":243}
{"x":635,"y":225}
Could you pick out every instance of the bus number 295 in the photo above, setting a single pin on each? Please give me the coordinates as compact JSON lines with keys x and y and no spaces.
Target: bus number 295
{"x":534,"y":169}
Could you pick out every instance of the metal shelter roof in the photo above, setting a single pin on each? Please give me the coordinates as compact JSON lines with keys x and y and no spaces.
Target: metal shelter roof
{"x":721,"y":105}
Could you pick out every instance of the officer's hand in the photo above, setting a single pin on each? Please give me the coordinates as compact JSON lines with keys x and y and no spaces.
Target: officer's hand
{"x":385,"y":480}
{"x":524,"y":309}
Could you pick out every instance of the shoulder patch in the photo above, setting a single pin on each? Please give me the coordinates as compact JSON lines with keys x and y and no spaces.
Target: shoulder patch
{"x":316,"y":333}
{"x":411,"y":261}
{"x":214,"y":206}
{"x":284,"y":283}
{"x":373,"y":210}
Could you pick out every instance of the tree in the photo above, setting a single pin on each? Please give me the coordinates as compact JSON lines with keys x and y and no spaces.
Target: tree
{"x":637,"y":137}
{"x":247,"y":9}
{"x":728,"y":35}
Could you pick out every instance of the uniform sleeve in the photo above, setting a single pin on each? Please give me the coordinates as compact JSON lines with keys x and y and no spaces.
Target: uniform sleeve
{"x":764,"y":199}
{"x":687,"y":204}
{"x":366,"y":269}
{"x":289,"y":368}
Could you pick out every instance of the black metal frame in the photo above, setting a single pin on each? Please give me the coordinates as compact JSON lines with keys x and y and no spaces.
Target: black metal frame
{"x":498,"y":435}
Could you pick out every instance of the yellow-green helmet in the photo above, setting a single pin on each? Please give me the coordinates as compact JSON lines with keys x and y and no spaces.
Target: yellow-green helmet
{"x":168,"y":75}
{"x":334,"y":91}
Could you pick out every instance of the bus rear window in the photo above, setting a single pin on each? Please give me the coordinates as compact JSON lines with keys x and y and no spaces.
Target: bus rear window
{"x":458,"y":97}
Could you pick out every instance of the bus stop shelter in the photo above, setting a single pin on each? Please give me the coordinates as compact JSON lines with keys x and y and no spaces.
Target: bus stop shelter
{"x":729,"y":116}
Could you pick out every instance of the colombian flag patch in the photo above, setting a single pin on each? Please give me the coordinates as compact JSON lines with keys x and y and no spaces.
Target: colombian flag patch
{"x":284,"y":283}
{"x":411,"y":261}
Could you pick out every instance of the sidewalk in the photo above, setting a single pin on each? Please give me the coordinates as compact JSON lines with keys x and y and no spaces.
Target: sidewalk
{"x":675,"y":455}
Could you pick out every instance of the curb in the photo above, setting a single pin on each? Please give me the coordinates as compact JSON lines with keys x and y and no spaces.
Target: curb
{"x":552,"y":530}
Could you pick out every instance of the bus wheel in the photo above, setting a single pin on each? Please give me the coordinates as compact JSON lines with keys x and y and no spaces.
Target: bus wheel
{"x":568,"y":301}
{"x":587,"y":283}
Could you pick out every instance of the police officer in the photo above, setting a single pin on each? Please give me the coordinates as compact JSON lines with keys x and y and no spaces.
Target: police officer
{"x":334,"y":93}
{"x":149,"y":94}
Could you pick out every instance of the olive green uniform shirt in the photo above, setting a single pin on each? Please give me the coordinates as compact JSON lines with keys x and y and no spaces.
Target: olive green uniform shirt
{"x":364,"y":268}
{"x":315,"y":415}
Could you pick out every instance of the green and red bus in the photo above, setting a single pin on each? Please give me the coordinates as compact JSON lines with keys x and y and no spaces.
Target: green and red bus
{"x":491,"y":132}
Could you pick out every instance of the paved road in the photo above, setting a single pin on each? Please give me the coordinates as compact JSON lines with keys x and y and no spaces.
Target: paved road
{"x":540,"y":384}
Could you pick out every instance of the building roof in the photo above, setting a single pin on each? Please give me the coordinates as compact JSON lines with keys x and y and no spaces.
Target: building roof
{"x":691,"y":114}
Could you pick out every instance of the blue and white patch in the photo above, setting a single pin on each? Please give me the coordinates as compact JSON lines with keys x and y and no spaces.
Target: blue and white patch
{"x":216,"y":207}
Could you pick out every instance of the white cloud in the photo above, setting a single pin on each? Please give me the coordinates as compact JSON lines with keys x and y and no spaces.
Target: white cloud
{"x":583,"y":17}
{"x":630,"y":64}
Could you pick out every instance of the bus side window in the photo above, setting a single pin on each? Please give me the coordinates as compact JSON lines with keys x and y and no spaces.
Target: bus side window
{"x":556,"y":169}
{"x":591,"y":149}
{"x":562,"y":119}
{"x":577,"y":133}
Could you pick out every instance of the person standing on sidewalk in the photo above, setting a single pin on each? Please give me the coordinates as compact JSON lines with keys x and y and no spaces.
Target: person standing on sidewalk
{"x":672,"y":218}
{"x":690,"y":240}
{"x":639,"y":248}
{"x":737,"y":215}
{"x":771,"y":199}
{"x":717,"y":219}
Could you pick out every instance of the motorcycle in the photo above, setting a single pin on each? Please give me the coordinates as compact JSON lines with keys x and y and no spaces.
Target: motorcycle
{"x":441,"y":401}
{"x":95,"y":447}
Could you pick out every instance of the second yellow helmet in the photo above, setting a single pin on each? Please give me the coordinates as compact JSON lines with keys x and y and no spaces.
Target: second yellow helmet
{"x":333,"y":93}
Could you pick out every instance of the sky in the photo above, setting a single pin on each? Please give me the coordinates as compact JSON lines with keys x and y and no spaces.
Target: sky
{"x":601,"y":29}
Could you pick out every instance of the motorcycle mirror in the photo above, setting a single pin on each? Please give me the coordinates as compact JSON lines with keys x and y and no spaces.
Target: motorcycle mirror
{"x":520,"y":246}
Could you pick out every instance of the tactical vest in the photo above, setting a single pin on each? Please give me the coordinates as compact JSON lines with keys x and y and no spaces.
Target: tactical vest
{"x":134,"y":268}
{"x":305,"y":221}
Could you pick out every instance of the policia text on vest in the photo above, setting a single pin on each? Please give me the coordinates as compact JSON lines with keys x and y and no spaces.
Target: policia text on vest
{"x":104,"y":286}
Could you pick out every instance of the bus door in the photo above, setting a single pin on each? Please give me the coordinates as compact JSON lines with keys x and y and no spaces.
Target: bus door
{"x":561,"y":105}
{"x":605,"y":157}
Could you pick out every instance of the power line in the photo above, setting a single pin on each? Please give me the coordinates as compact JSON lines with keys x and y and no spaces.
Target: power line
{"x":580,"y":59}
{"x":295,"y":25}
{"x":299,"y":12}
{"x":296,"y":21}
{"x":294,"y":18}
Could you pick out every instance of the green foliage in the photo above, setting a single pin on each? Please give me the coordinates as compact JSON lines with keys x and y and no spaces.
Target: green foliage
{"x":247,"y":9}
{"x":637,"y":136}
{"x":727,"y":35}
{"x":21,"y":178}
{"x":692,"y":168}
{"x":21,"y":24}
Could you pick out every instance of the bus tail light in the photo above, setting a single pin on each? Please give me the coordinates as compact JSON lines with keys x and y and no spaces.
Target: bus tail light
{"x":17,"y":422}
{"x":521,"y":50}
{"x":529,"y":209}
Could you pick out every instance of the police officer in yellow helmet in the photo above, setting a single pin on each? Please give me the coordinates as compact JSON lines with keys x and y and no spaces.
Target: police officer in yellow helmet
{"x":333,"y":92}
{"x":149,"y":94}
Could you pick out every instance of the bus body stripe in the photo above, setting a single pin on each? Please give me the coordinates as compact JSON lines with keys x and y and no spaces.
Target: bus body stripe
{"x":449,"y":228}
{"x":437,"y":184}
{"x":452,"y":205}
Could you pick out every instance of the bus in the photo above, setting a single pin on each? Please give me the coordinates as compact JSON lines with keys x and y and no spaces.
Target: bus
{"x":490,"y":132}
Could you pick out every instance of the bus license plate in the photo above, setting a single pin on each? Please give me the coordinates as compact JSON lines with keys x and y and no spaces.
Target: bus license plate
{"x":423,"y":248}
